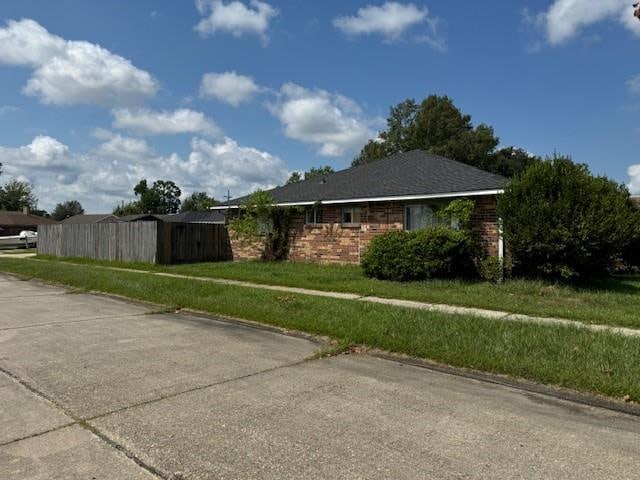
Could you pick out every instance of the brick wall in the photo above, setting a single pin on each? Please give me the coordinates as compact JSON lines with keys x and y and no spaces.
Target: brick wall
{"x":332,"y":242}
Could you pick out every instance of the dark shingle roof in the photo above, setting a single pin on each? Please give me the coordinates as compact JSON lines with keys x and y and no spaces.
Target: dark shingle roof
{"x":140,"y":217}
{"x":403,"y":174}
{"x":195,"y":217}
{"x":90,"y":218}
{"x":19,"y":219}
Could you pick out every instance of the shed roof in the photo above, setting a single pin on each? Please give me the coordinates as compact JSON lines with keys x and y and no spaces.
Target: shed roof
{"x":90,"y":218}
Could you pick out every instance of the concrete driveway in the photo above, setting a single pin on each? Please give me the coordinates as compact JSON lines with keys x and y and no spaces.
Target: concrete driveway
{"x":96,"y":388}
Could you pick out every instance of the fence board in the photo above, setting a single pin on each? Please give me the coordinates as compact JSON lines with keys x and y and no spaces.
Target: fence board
{"x":151,"y":242}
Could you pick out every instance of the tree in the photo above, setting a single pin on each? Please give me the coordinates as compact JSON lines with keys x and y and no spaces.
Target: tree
{"x":16,"y":195}
{"x":562,"y":222}
{"x":295,"y":177}
{"x":261,"y":223}
{"x":511,"y":161}
{"x":67,"y":209}
{"x":313,"y":172}
{"x":437,"y":126}
{"x":198,"y":202}
{"x":163,"y":197}
{"x":130,"y":208}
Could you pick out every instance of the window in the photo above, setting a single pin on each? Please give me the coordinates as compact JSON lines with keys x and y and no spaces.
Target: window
{"x":265,"y":226}
{"x":351,"y":216}
{"x":313,"y":216}
{"x":424,"y":216}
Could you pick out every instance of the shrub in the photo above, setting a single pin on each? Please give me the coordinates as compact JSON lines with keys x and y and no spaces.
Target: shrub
{"x":261,"y":222}
{"x":491,"y":269}
{"x":560,"y":221}
{"x":437,"y":252}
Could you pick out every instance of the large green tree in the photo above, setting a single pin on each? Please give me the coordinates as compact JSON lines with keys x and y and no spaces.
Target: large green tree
{"x":437,"y":126}
{"x":198,"y":202}
{"x":162,"y":197}
{"x":16,"y":195}
{"x":313,"y":172}
{"x":67,"y":209}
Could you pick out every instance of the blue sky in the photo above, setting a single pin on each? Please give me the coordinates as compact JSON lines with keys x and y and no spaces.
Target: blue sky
{"x":234,"y":95}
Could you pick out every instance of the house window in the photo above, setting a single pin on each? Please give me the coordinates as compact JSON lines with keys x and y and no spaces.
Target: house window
{"x":313,"y":216}
{"x":351,"y":216}
{"x":265,"y":226}
{"x":425,"y":216}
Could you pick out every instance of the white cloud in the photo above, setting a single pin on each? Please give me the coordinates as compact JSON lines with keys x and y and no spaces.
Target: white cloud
{"x":72,"y":72}
{"x":634,"y":84}
{"x":227,"y":165}
{"x":106,"y":175}
{"x":634,"y":182}
{"x":333,"y":122}
{"x":150,"y":122}
{"x":392,"y":20}
{"x":565,"y":19}
{"x":228,"y":87}
{"x":235,"y":18}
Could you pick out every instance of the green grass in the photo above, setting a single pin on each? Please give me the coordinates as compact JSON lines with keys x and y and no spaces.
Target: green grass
{"x":595,"y":362}
{"x":614,"y":301}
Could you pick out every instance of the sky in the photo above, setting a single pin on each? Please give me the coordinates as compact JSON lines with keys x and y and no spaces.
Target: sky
{"x":231,"y":96}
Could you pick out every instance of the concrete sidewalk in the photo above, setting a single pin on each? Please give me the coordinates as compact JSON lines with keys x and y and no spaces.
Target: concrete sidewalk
{"x":92,"y":387}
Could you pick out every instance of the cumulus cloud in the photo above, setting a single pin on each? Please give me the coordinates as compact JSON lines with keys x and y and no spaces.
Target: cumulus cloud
{"x":391,"y":20}
{"x":106,"y":175}
{"x":235,"y":18}
{"x":151,"y":122}
{"x":333,"y":122}
{"x":72,"y":72}
{"x":565,"y":19}
{"x":634,"y":85}
{"x":634,"y":182}
{"x":228,"y":165}
{"x":228,"y":87}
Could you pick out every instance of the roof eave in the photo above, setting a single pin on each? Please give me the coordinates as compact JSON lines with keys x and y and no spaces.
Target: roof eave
{"x":399,"y":198}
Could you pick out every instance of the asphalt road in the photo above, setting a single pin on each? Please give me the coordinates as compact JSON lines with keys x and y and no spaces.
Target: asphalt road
{"x":97,"y":388}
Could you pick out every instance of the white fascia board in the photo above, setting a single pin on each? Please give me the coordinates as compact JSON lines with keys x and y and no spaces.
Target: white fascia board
{"x":433,"y":196}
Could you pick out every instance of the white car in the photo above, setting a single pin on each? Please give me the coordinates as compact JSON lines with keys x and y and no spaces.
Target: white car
{"x":26,"y":239}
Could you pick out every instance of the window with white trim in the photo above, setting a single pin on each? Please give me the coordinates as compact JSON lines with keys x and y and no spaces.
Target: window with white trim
{"x":351,"y":216}
{"x":313,"y":216}
{"x":417,"y":217}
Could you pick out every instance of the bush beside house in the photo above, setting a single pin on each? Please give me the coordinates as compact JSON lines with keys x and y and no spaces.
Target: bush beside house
{"x":435,"y":252}
{"x":562,"y":222}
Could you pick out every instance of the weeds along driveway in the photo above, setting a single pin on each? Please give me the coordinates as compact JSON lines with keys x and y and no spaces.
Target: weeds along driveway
{"x":92,"y":385}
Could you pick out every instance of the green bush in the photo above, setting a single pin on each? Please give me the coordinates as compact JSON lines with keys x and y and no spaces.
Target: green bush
{"x":494,"y":269}
{"x":437,"y":252}
{"x":562,"y":222}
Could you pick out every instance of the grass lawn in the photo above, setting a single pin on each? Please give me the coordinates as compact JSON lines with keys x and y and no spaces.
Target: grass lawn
{"x":575,"y":358}
{"x":614,"y":301}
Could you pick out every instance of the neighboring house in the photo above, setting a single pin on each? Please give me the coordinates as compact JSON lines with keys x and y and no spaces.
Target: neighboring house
{"x":90,"y":219}
{"x":12,"y":223}
{"x":210,"y":217}
{"x":341,"y":212}
{"x":142,"y":217}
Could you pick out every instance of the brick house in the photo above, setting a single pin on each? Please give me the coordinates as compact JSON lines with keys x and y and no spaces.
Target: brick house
{"x":341,"y":212}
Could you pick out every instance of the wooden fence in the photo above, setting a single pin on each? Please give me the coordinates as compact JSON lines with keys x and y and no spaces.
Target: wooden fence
{"x":152,"y":242}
